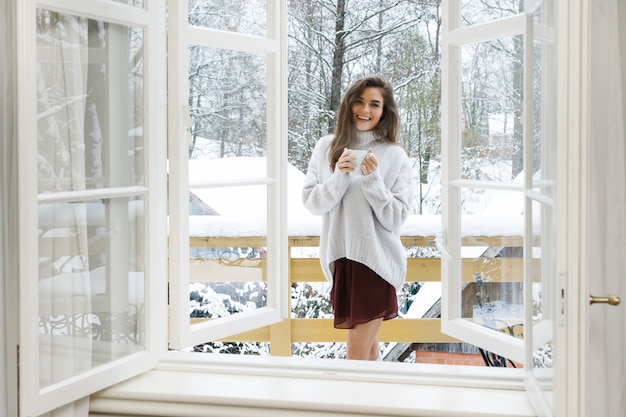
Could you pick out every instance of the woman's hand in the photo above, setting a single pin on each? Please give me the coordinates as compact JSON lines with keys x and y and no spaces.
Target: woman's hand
{"x":346,"y":161}
{"x":370,"y":163}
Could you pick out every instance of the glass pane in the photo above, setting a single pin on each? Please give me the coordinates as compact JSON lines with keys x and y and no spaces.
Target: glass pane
{"x":544,"y":275}
{"x":543,"y":278}
{"x":492,"y":264}
{"x":474,"y":12}
{"x":228,"y":252}
{"x":544,"y":122}
{"x":244,"y":16}
{"x":91,"y":285}
{"x":491,"y":104}
{"x":538,"y":106}
{"x":227,"y":281}
{"x":88,"y":137}
{"x":228,"y":211}
{"x":227,"y":97}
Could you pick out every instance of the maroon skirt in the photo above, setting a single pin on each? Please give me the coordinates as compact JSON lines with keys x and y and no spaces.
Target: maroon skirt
{"x":360,"y":295}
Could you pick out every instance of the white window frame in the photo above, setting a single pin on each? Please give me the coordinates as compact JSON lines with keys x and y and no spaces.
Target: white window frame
{"x":454,"y":36}
{"x":33,"y":399}
{"x":274,"y":47}
{"x":28,"y":201}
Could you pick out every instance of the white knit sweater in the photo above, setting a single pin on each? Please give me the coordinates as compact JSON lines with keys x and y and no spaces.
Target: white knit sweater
{"x":362,"y":215}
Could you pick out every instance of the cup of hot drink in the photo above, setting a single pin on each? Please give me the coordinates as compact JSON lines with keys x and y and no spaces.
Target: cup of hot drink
{"x":360,"y":157}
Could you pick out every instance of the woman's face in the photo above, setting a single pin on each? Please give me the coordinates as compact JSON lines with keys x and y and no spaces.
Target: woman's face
{"x":368,"y":109}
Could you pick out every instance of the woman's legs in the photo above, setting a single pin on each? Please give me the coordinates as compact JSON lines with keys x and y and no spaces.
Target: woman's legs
{"x":363,"y":341}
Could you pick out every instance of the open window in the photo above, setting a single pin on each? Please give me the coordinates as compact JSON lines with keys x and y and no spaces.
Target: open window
{"x":234,"y":89}
{"x":510,"y":51}
{"x":91,"y":151}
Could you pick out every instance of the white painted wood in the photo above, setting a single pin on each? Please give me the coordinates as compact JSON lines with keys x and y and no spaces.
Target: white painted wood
{"x":27,"y":205}
{"x":454,"y":37}
{"x":569,"y":385}
{"x":540,"y":203}
{"x":34,"y":398}
{"x":505,"y":27}
{"x":9,"y":290}
{"x":274,"y":48}
{"x":113,"y":12}
{"x":256,"y":386}
{"x":233,"y":41}
{"x":179,"y":123}
{"x":604,"y":148}
{"x":277,"y":127}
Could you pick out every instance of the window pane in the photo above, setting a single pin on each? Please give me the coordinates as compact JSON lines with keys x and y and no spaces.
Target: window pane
{"x":91,"y":285}
{"x":544,"y":275}
{"x":492,"y":265}
{"x":543,"y":282}
{"x":229,"y":211}
{"x":90,"y":104}
{"x":491,"y":102}
{"x":228,"y":251}
{"x":244,"y":16}
{"x":474,"y":12}
{"x":544,"y":123}
{"x":227,"y":97}
{"x":226,"y":281}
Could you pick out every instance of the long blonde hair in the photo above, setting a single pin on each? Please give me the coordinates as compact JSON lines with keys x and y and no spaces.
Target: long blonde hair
{"x":387,"y":128}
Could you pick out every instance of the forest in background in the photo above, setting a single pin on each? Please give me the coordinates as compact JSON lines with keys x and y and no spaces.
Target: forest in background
{"x":334,"y":42}
{"x":331,"y":43}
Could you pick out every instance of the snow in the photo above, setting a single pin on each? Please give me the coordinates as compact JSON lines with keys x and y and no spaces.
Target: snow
{"x":243,"y":208}
{"x":426,"y":297}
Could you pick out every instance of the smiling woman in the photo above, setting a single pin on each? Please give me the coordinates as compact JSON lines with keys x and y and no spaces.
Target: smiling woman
{"x":367,"y":109}
{"x":87,"y":290}
{"x":361,"y":251}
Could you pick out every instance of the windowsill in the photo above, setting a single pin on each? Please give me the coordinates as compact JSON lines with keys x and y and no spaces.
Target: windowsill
{"x":188,"y":384}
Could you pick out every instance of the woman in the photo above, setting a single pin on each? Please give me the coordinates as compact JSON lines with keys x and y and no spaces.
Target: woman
{"x":363,"y":208}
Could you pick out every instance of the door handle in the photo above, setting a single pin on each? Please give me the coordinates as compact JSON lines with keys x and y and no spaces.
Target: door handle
{"x":611,"y":299}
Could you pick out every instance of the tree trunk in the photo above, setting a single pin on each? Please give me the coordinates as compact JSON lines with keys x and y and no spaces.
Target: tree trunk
{"x":338,"y":60}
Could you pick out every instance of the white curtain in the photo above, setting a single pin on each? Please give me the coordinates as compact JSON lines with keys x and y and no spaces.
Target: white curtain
{"x":62,"y":72}
{"x":9,"y":209}
{"x":8,"y":205}
{"x":607,"y":210}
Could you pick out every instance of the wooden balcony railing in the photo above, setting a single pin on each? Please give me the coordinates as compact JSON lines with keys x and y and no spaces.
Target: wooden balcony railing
{"x":411,"y":330}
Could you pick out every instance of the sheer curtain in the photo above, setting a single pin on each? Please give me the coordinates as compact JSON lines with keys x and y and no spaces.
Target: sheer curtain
{"x":66,"y":135}
{"x":65,"y":312}
{"x":607,"y":210}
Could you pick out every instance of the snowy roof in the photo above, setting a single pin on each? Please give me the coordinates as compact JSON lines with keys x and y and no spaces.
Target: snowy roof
{"x":242,"y":209}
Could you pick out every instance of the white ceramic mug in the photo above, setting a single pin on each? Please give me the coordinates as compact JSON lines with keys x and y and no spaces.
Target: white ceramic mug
{"x":360,"y":157}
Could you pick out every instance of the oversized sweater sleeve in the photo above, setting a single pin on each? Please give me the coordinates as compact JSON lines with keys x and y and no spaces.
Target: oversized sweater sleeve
{"x":391,"y":205}
{"x":322,"y":189}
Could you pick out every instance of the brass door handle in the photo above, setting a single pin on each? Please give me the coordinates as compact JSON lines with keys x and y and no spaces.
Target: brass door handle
{"x":611,"y":299}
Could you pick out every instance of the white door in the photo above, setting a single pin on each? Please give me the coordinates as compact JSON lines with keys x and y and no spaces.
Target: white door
{"x":92,"y":221}
{"x":603,"y":365}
